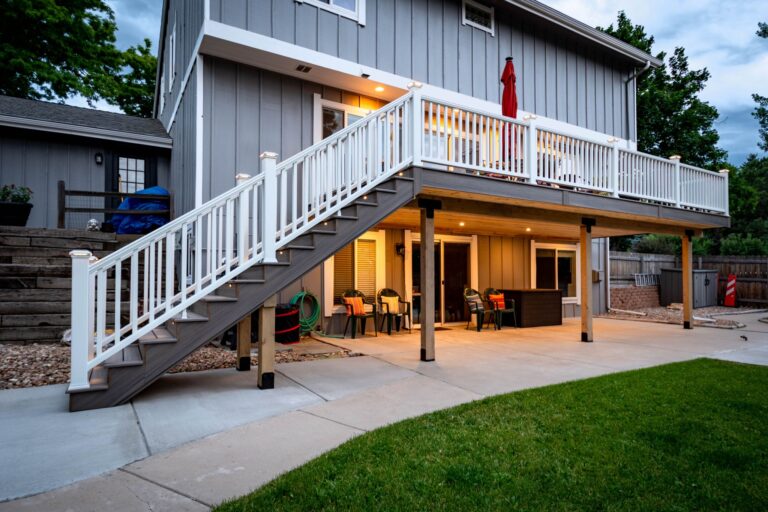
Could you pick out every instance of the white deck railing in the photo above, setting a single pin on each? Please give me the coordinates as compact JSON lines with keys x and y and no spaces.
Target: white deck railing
{"x":168,"y":270}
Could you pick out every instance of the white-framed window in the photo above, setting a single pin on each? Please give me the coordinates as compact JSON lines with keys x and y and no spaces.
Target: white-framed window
{"x":352,"y":9}
{"x":478,"y":15}
{"x":556,"y":267}
{"x":131,"y":174}
{"x":360,"y":266}
{"x":331,"y":116}
{"x":161,"y":92}
{"x":172,"y":57}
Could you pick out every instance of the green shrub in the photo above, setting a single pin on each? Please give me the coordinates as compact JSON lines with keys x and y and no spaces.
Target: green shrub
{"x":14,"y":194}
{"x":741,"y":245}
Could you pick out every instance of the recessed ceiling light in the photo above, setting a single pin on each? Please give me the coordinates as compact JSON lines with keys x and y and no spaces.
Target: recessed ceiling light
{"x":461,"y":223}
{"x":379,"y":88}
{"x":528,"y":230}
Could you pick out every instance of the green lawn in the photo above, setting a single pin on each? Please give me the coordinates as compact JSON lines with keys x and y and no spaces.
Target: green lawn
{"x":688,"y":436}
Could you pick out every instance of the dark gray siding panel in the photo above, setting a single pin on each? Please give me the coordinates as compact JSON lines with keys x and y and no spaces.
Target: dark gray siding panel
{"x":424,"y":39}
{"x":248,"y":110}
{"x":181,"y":180}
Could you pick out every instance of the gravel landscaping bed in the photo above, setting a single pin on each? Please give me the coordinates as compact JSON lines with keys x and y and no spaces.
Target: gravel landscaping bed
{"x":668,"y":315}
{"x":25,"y":366}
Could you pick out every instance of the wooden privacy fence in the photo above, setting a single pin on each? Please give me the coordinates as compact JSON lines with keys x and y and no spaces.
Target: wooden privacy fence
{"x":751,"y":272}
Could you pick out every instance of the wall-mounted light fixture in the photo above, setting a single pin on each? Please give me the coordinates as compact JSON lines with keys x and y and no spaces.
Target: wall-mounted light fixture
{"x":400,"y":249}
{"x":98,"y":158}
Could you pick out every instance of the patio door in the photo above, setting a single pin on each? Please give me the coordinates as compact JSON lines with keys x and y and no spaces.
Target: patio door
{"x":453,"y":273}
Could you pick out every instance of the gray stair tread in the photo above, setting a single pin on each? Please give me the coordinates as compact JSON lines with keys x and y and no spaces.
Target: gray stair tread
{"x":99,"y":381}
{"x":159,"y":335}
{"x":218,"y":298}
{"x":248,"y":281}
{"x":346,"y":217}
{"x":323,"y":231}
{"x":129,"y":356}
{"x":300,"y":247}
{"x":190,"y":317}
{"x":385,"y":190}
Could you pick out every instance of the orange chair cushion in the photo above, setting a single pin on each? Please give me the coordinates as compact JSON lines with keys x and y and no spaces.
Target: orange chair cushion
{"x":497,"y":300}
{"x":358,"y":308}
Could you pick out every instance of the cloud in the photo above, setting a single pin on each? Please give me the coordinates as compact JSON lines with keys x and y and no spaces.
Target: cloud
{"x":136,"y":20}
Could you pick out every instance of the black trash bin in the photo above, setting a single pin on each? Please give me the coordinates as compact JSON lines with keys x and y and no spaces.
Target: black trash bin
{"x":287,"y":323}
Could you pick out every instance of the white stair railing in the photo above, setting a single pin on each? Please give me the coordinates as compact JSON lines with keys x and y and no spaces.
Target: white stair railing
{"x":170,"y":269}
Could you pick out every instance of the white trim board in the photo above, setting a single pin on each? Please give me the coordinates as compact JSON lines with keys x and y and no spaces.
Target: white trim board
{"x":317,"y":114}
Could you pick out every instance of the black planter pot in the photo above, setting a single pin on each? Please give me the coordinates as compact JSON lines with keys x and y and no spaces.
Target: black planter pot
{"x":14,"y":214}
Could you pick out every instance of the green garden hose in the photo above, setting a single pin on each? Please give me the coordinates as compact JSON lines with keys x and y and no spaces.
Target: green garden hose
{"x":307,"y":323}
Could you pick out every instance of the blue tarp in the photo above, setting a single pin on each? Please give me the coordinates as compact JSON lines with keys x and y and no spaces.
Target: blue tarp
{"x":141,"y":224}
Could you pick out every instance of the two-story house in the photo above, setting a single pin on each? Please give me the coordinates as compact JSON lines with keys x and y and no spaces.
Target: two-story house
{"x":330,"y":145}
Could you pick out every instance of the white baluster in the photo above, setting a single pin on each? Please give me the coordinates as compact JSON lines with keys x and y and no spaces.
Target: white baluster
{"x":531,"y":156}
{"x":614,"y":169}
{"x":678,"y":193}
{"x":269,"y":211}
{"x":80,"y":346}
{"x":242,"y":220}
{"x":725,"y":174}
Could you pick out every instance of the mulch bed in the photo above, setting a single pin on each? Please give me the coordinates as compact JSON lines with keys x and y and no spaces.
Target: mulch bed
{"x":25,"y":366}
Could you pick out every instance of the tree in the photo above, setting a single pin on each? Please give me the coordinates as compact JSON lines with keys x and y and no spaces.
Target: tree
{"x":671,"y":118}
{"x":761,"y":110}
{"x":133,"y":88}
{"x":54,"y":49}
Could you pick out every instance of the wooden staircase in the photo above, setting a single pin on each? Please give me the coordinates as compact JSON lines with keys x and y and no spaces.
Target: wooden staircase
{"x":125,"y":374}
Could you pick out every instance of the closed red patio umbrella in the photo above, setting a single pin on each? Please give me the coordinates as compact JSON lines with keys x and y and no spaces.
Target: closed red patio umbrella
{"x":509,"y":140}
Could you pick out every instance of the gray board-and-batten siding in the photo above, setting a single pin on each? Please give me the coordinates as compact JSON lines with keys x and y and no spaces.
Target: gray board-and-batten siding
{"x":559,"y":75}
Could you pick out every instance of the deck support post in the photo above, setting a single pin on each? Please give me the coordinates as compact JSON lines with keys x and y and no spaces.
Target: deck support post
{"x":585,"y":246}
{"x":427,"y":284}
{"x":244,"y":344}
{"x":688,"y":279}
{"x":266,"y":367}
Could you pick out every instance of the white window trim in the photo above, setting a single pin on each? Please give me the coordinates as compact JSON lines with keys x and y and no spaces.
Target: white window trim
{"x":563,"y":247}
{"x":358,"y":14}
{"x":317,"y":121}
{"x":486,"y":8}
{"x":381,"y":272}
{"x":172,"y":57}
{"x":161,"y":92}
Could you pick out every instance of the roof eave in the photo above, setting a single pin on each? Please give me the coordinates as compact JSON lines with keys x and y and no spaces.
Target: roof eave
{"x":86,"y":131}
{"x":584,"y":30}
{"x":160,"y":54}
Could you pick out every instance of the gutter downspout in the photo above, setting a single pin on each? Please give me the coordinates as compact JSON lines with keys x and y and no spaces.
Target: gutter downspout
{"x":629,"y":80}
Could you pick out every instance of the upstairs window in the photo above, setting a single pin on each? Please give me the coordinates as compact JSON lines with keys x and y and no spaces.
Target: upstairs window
{"x":172,"y":58}
{"x":478,"y":15}
{"x":353,"y":9}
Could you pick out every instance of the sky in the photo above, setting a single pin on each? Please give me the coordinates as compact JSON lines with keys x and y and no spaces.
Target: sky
{"x":716,"y":34}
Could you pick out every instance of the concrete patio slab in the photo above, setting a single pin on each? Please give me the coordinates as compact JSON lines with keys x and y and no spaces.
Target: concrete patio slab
{"x":186,"y":406}
{"x":43,"y":446}
{"x":116,"y":491}
{"x":335,"y":378}
{"x":235,"y":462}
{"x":393,"y":402}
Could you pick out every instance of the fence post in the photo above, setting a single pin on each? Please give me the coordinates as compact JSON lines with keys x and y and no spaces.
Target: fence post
{"x":676,"y":160}
{"x":269,"y":212}
{"x":80,"y":346}
{"x":531,"y":158}
{"x":614,"y":166}
{"x":418,"y":122}
{"x":242,"y":220}
{"x":726,"y":208}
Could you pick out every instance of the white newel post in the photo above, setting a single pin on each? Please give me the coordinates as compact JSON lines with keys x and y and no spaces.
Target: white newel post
{"x":531,"y":156}
{"x":726,"y":196}
{"x":418,"y":122}
{"x":269,"y":214}
{"x":80,"y":347}
{"x":615,"y":167}
{"x":676,"y":160}
{"x":242,"y":220}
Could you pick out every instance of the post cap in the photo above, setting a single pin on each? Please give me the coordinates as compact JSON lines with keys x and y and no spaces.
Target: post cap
{"x":415,"y":85}
{"x":80,"y":254}
{"x":675,"y":157}
{"x":268,"y":155}
{"x":242,"y":177}
{"x":613,"y":140}
{"x":724,"y":171}
{"x":529,"y":117}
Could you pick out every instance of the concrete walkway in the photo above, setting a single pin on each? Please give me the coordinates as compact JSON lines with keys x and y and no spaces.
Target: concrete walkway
{"x":194,"y":440}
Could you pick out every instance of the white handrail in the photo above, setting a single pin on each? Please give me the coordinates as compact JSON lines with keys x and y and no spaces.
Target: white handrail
{"x":168,"y":270}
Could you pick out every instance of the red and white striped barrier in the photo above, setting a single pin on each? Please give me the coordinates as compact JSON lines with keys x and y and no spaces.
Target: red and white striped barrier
{"x":730,"y":291}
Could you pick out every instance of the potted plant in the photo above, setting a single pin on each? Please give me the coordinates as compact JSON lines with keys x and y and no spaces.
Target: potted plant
{"x":15,"y":205}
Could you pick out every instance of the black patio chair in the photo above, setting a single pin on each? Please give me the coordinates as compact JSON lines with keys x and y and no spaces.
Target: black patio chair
{"x":390,"y":310}
{"x":362,"y":315}
{"x":498,"y":310}
{"x":477,"y":308}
